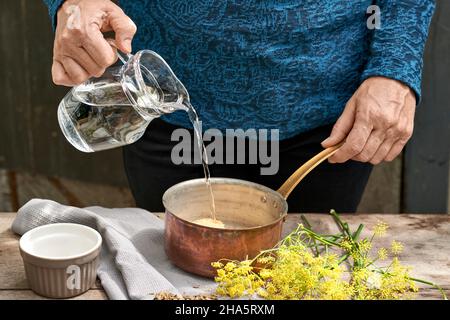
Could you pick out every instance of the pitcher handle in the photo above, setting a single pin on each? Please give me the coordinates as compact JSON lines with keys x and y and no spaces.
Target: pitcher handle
{"x":122,"y":56}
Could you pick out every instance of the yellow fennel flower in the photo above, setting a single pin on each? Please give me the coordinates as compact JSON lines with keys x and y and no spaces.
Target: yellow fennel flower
{"x":217,"y":265}
{"x":396,"y":247}
{"x":382,"y":254}
{"x":380,"y":229}
{"x":307,"y":265}
{"x":346,"y":245}
{"x":365,"y":245}
{"x":230,"y":266}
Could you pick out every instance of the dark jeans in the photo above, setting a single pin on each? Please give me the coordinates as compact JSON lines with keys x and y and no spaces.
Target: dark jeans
{"x":151,"y":172}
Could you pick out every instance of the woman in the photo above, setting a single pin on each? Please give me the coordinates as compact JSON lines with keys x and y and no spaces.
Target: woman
{"x":320,"y":72}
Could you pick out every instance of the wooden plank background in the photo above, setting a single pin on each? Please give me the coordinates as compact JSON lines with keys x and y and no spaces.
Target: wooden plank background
{"x":32,"y":142}
{"x":31,"y":138}
{"x":426,"y":184}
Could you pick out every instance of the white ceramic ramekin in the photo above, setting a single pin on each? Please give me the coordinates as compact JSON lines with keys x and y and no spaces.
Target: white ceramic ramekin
{"x":61,"y":259}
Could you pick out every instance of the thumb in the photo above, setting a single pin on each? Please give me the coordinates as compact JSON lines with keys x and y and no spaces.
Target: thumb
{"x":342,"y":127}
{"x":124,"y":29}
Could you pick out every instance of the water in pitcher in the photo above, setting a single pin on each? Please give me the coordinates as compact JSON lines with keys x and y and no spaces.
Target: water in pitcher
{"x":98,"y":116}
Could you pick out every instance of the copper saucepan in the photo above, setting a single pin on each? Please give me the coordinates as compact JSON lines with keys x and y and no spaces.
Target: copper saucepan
{"x":253,"y":215}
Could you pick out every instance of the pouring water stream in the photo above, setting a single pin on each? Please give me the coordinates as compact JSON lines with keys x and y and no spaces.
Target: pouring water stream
{"x":193,"y":117}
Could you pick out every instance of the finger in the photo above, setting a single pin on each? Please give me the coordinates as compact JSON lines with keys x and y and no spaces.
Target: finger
{"x":59,"y":75}
{"x":124,"y":29}
{"x":99,"y":49}
{"x":384,"y":148}
{"x":355,"y":141}
{"x":342,"y":127}
{"x":374,"y":141}
{"x":406,"y":133}
{"x":392,"y":136}
{"x":395,"y":150}
{"x":401,"y":137}
{"x":410,"y":110}
{"x":82,"y":57}
{"x":75,"y":72}
{"x":382,"y":151}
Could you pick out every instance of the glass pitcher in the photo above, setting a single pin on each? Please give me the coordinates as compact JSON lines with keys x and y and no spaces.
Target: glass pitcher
{"x":115,"y":109}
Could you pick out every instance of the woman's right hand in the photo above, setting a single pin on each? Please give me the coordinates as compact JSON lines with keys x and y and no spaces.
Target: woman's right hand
{"x":80,"y":50}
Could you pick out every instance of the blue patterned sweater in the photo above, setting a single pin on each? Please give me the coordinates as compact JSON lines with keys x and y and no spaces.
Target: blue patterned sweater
{"x":288,"y":64}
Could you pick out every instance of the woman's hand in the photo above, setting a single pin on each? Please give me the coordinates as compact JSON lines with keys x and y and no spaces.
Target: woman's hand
{"x":80,"y":51}
{"x":376,"y":123}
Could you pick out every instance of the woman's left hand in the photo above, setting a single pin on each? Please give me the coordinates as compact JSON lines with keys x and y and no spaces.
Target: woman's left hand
{"x":376,"y":123}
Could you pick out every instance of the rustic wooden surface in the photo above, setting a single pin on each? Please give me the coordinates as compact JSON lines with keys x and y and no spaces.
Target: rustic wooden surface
{"x":426,"y":239}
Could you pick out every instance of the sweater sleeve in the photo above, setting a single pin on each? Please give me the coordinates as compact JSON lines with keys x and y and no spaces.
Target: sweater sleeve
{"x":396,"y":48}
{"x":53,"y":6}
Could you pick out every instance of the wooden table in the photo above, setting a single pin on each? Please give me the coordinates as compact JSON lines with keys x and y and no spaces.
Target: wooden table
{"x":426,"y":240}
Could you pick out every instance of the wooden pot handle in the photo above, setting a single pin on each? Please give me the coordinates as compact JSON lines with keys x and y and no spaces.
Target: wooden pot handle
{"x":290,"y":184}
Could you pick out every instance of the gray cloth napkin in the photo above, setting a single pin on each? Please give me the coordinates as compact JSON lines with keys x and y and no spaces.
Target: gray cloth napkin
{"x":133,"y":264}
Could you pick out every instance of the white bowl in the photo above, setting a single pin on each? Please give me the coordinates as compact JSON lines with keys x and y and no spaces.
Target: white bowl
{"x":61,"y":259}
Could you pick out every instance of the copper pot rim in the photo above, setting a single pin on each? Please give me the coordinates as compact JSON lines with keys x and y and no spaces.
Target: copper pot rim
{"x":221,"y":180}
